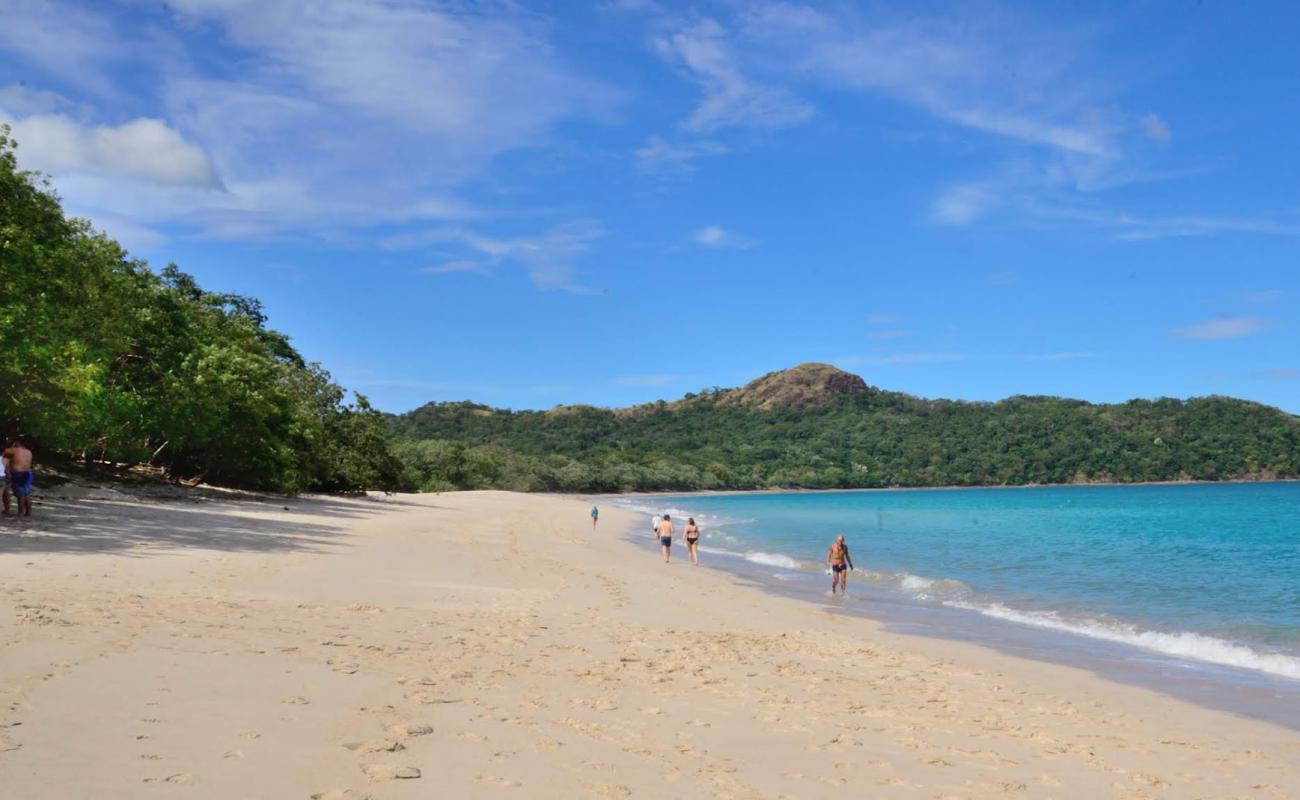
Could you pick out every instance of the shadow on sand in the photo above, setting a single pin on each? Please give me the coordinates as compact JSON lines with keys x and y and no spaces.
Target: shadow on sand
{"x":135,"y":528}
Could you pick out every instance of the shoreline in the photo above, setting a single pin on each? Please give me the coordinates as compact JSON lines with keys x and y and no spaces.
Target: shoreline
{"x":1112,"y":484}
{"x":1205,"y":668}
{"x":491,"y":644}
{"x":1250,"y":692}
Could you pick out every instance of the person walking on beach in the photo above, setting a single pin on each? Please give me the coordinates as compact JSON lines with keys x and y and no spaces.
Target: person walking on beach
{"x":664,"y":530}
{"x":4,"y":478}
{"x":595,"y":516}
{"x":840,"y":562}
{"x":692,"y":536}
{"x":19,"y":474}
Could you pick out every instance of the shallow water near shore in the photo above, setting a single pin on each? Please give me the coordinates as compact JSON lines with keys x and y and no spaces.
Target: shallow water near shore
{"x":1193,"y":590}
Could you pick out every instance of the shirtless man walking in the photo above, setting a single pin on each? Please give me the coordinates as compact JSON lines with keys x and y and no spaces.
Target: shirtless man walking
{"x":19,"y":475}
{"x":4,"y":477}
{"x":664,"y":530}
{"x":840,"y":562}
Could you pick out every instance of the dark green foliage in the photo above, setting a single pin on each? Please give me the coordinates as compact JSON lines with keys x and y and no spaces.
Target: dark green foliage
{"x":874,"y":439}
{"x":107,"y":360}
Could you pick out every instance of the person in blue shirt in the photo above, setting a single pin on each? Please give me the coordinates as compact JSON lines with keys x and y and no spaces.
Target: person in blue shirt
{"x":595,"y":516}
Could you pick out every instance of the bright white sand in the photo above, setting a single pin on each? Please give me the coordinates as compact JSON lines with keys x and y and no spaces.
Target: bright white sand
{"x":224,"y":649}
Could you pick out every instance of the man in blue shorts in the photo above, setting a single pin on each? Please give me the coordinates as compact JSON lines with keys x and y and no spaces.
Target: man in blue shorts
{"x":664,"y":530}
{"x":4,"y":478}
{"x":19,"y":475}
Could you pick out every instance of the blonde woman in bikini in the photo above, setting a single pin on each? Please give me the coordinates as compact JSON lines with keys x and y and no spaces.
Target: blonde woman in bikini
{"x":840,"y":562}
{"x":692,"y":535}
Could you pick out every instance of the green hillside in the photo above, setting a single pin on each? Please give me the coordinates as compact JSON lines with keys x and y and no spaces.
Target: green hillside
{"x":817,"y":427}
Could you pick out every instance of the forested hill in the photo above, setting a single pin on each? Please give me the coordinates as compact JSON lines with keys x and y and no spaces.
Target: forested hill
{"x":817,"y":427}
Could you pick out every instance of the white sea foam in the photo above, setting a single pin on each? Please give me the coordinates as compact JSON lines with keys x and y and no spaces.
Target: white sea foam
{"x":915,"y":583}
{"x":772,"y":559}
{"x":919,"y":585}
{"x":1184,"y":644}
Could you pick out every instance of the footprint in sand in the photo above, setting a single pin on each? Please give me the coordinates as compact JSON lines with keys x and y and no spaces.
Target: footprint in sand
{"x":233,"y":755}
{"x":387,"y":772}
{"x":381,"y":746}
{"x":295,"y":700}
{"x":496,"y":781}
{"x":342,"y":794}
{"x":182,"y":778}
{"x":410,"y":729}
{"x":7,"y":744}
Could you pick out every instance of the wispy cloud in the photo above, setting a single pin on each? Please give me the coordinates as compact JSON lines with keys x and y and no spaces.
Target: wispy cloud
{"x":883,"y":319}
{"x":1225,"y":327}
{"x":901,"y":359}
{"x":1263,"y":297}
{"x":1067,"y":356}
{"x":888,"y":334}
{"x":459,"y":265}
{"x":927,"y":358}
{"x":648,"y":379}
{"x":315,"y":129}
{"x":958,"y":205}
{"x":1285,"y":374}
{"x":548,"y":258}
{"x":717,"y":236}
{"x":1050,"y":208}
{"x":658,"y":154}
{"x":703,"y":50}
{"x":1156,"y":129}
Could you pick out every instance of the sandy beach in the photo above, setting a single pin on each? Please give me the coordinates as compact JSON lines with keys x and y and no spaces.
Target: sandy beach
{"x":494,"y":645}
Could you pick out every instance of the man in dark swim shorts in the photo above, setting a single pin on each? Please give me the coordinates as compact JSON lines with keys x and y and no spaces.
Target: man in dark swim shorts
{"x":840,"y":562}
{"x":664,"y":530}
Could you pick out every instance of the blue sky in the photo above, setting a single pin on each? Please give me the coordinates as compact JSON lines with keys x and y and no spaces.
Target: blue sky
{"x":539,"y":203}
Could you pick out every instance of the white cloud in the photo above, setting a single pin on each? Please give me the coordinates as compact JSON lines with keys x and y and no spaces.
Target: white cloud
{"x":142,"y":148}
{"x":658,"y":153}
{"x":994,"y":73}
{"x":649,"y":379}
{"x":730,"y":98}
{"x":717,"y":236}
{"x":326,"y":117}
{"x":902,"y":359}
{"x":1285,"y":374}
{"x":548,"y":258}
{"x":1263,"y":297}
{"x":23,"y":101}
{"x":64,"y":40}
{"x":1225,"y":327}
{"x":882,"y":319}
{"x":1156,"y":129}
{"x":888,"y":334}
{"x":459,"y":265}
{"x":1063,"y":356}
{"x":961,"y":204}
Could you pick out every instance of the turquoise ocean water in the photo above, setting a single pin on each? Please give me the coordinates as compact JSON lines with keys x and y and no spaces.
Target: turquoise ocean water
{"x":1200,"y":574}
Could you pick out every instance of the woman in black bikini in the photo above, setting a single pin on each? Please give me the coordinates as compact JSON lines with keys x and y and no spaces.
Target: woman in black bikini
{"x":692,"y":534}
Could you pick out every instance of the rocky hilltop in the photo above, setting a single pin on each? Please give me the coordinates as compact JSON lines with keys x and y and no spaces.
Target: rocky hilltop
{"x":805,"y":386}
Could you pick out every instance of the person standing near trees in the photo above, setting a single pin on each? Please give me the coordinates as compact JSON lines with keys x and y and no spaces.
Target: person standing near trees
{"x":4,"y":478}
{"x":595,"y":516}
{"x":19,"y":475}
